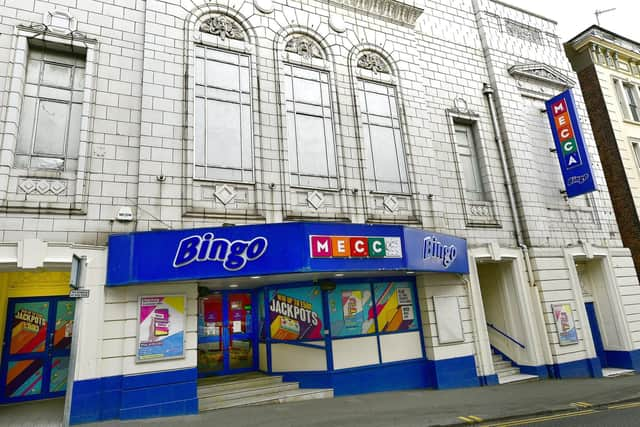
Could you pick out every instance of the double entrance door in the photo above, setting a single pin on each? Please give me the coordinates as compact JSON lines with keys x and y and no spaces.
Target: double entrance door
{"x":226,"y":333}
{"x":35,"y":356}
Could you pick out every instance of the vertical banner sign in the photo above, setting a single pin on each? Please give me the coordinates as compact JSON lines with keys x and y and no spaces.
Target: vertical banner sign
{"x":160,"y":328}
{"x":572,"y":154}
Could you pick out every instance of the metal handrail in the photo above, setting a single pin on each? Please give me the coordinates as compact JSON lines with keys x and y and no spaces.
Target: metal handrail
{"x":504,"y":334}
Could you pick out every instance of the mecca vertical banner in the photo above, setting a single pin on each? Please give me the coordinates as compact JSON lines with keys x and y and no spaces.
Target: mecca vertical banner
{"x":570,"y":148}
{"x":161,"y":324}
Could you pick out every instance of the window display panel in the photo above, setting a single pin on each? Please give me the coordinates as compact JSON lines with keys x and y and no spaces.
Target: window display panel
{"x":296,"y":314}
{"x":395,"y":306}
{"x":351,"y":310}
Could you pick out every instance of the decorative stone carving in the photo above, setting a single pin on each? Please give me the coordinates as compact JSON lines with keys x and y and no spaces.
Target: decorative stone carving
{"x":400,"y":12}
{"x":460,"y":105}
{"x":304,"y":46}
{"x":60,"y":22}
{"x":374,"y":62}
{"x":223,"y":27}
{"x":391,"y":203}
{"x":225,"y":194}
{"x":41,"y":186}
{"x":523,"y":31}
{"x":543,"y":72}
{"x":315,"y":199}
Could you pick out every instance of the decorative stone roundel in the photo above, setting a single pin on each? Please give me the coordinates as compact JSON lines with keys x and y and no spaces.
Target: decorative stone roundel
{"x":264,"y":6}
{"x":337,"y":24}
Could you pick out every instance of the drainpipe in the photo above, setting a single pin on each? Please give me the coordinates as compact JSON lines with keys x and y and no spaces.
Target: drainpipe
{"x":487,"y":90}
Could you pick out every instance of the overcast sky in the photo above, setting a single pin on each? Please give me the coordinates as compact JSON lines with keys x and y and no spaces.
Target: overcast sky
{"x":573,"y":16}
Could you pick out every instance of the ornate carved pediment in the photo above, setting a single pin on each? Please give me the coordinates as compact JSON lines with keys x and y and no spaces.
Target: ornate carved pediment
{"x":374,"y":62}
{"x":542,"y":72}
{"x":223,"y":27}
{"x":304,"y":46}
{"x":390,"y":9}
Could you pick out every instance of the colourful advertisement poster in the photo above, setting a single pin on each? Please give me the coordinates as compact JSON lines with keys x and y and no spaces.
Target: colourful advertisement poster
{"x":296,"y":314}
{"x":394,"y":306}
{"x":351,"y":310}
{"x":161,"y":322}
{"x":563,"y":315}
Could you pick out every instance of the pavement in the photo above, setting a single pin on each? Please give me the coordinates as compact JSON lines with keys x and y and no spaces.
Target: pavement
{"x":418,"y":408}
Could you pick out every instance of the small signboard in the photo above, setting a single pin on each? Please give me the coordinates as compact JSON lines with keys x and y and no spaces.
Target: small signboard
{"x":572,"y":154}
{"x":79,"y":293}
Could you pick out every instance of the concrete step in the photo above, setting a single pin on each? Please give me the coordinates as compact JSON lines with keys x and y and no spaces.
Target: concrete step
{"x":216,"y":386}
{"x":496,"y":357}
{"x":220,"y":396}
{"x":507,"y":372}
{"x":276,"y":397}
{"x":502,"y":364}
{"x":516,"y":378}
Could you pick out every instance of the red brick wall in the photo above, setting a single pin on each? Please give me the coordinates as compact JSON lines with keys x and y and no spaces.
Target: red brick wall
{"x":619,"y":190}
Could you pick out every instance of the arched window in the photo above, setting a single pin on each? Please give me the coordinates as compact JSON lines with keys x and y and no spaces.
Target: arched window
{"x":223,"y":123}
{"x":309,"y":115}
{"x":381,"y":125}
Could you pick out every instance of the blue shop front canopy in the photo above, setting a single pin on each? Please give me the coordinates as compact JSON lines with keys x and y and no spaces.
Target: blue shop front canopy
{"x":285,"y":248}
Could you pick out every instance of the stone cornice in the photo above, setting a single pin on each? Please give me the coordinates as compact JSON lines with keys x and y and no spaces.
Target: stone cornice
{"x":626,"y":49}
{"x":393,"y":10}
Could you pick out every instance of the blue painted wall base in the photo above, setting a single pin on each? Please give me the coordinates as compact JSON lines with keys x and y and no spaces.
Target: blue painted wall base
{"x":369,"y":379}
{"x":159,"y":394}
{"x":488,"y":379}
{"x":454,"y":373}
{"x":623,"y":359}
{"x":577,"y":369}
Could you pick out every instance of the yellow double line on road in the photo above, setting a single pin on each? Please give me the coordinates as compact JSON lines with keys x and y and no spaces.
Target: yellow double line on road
{"x":471,"y":419}
{"x":541,"y":419}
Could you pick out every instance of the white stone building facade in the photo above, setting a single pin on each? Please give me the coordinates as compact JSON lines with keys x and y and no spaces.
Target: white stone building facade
{"x":123,"y":117}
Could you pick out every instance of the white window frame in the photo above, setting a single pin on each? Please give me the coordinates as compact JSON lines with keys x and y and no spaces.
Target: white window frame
{"x":41,"y":92}
{"x":470,"y":150}
{"x":323,"y":110}
{"x":401,"y":185}
{"x":246,"y":172}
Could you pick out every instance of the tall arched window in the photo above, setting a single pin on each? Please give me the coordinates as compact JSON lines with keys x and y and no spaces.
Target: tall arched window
{"x":381,"y":126}
{"x":309,"y":115}
{"x":223,"y":124}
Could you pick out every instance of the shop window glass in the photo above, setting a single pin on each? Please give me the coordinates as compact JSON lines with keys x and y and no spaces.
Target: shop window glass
{"x":395,"y":306}
{"x":351,"y":310}
{"x":296,"y":314}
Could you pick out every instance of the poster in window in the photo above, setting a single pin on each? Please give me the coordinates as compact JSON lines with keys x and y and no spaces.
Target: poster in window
{"x":351,"y":310}
{"x":296,"y":314}
{"x":394,"y":307}
{"x":567,"y":332}
{"x":161,"y":321}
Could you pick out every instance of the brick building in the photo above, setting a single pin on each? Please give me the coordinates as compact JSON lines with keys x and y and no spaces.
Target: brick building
{"x":358,"y":196}
{"x":607,"y":67}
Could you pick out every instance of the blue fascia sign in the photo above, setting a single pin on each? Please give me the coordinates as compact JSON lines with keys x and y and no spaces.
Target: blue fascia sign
{"x":251,"y":250}
{"x":570,"y":148}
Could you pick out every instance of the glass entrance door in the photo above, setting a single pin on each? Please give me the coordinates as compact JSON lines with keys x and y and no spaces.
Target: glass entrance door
{"x":226,"y":333}
{"x":35,"y":359}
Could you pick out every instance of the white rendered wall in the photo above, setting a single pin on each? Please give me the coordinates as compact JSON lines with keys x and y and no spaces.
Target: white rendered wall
{"x":397,"y":347}
{"x":353,"y":352}
{"x":292,"y":358}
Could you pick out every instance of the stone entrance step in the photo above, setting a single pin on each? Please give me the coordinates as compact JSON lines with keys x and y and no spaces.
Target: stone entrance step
{"x":252,"y":389}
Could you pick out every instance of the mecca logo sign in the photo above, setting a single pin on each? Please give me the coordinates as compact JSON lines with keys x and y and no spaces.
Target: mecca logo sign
{"x":355,"y":247}
{"x":570,"y":148}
